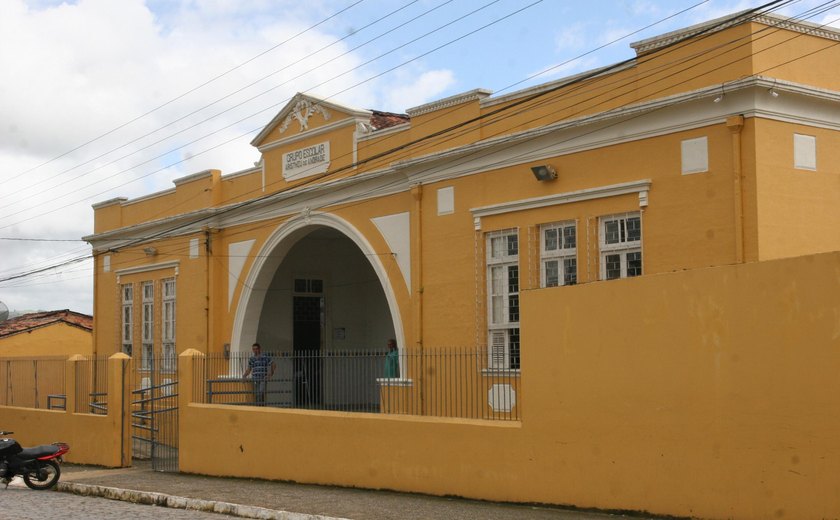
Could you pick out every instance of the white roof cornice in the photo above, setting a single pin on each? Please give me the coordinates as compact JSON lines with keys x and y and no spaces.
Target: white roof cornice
{"x":312,"y":133}
{"x":725,"y":22}
{"x":749,"y":96}
{"x":294,"y":105}
{"x":618,"y":113}
{"x":451,"y":101}
{"x":543,"y":87}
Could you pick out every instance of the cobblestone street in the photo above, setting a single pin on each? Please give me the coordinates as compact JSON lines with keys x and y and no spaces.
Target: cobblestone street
{"x":21,"y":503}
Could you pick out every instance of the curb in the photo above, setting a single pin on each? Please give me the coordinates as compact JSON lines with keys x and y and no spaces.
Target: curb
{"x":194,"y":504}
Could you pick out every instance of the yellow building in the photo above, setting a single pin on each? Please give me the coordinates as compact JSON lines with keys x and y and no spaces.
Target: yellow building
{"x":716,"y":145}
{"x":52,"y":333}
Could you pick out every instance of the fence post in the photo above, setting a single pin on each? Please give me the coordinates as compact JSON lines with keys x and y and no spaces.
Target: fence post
{"x":70,"y":371}
{"x":119,"y":405}
{"x":186,"y":394}
{"x":186,"y":376}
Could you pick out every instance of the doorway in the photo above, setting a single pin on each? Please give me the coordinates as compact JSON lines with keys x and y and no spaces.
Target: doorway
{"x":308,"y":338}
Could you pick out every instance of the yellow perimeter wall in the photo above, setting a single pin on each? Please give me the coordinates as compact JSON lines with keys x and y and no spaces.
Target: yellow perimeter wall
{"x":103,"y":440}
{"x":708,"y":393}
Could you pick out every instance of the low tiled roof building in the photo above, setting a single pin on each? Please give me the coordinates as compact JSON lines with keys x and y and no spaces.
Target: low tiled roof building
{"x":50,"y":333}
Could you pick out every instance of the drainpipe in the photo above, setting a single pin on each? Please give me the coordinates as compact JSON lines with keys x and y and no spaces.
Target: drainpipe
{"x":417,"y":282}
{"x":94,"y":336}
{"x":208,"y":315}
{"x":735,"y":125}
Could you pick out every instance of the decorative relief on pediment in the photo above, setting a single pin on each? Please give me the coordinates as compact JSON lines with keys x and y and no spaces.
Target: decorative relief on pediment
{"x":301,"y":112}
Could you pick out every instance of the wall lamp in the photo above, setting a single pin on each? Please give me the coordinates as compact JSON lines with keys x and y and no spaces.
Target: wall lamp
{"x":720,"y":96}
{"x":544,"y":172}
{"x":150,"y":251}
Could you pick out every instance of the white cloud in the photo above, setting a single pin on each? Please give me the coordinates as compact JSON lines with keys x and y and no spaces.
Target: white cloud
{"x":72,"y":72}
{"x":571,"y":37}
{"x":411,"y":92}
{"x":643,"y":8}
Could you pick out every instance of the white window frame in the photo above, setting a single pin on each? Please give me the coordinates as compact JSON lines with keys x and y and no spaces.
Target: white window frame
{"x":127,"y":329}
{"x":624,"y":246}
{"x":561,"y":252}
{"x":503,"y":326}
{"x":148,"y":335}
{"x":168,"y":290}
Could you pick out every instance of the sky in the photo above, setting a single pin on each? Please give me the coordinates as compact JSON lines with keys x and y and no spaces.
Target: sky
{"x":116,"y":98}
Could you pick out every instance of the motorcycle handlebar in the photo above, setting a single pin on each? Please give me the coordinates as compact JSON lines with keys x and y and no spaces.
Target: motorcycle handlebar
{"x":3,"y":432}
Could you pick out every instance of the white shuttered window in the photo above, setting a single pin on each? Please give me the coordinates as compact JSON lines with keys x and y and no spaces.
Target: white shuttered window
{"x":148,"y":336}
{"x":127,"y":328}
{"x":621,"y":246}
{"x":558,"y":254}
{"x":168,"y":323}
{"x":503,"y":299}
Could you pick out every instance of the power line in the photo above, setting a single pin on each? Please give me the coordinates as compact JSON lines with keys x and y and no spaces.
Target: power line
{"x":240,"y":136}
{"x":153,"y":236}
{"x":193,"y":89}
{"x":230,"y":94}
{"x":625,"y":36}
{"x":20,"y":239}
{"x":416,"y":141}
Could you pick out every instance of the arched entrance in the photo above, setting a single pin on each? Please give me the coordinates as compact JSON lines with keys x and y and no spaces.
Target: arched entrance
{"x":318,"y":298}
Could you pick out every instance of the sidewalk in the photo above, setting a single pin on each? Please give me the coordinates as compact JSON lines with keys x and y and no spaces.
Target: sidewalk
{"x":268,"y":499}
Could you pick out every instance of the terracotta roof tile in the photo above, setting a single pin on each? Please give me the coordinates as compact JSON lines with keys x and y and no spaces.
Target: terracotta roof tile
{"x":39,"y":319}
{"x":380,"y":120}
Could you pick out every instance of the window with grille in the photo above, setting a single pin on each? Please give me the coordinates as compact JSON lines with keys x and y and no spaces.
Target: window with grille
{"x":503,"y":299}
{"x":304,"y":285}
{"x":127,"y":328}
{"x":558,"y":254}
{"x":148,"y":336}
{"x":621,"y":246}
{"x":168,"y":326}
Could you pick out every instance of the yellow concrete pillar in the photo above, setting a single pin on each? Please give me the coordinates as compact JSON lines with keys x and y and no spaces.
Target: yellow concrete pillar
{"x":186,"y":376}
{"x":119,"y":406}
{"x":70,"y":371}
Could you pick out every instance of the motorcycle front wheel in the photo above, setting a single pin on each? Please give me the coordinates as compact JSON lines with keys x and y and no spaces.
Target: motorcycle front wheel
{"x":44,"y":476}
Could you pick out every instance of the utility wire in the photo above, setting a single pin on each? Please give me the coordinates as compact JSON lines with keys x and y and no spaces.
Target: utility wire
{"x":128,"y":245}
{"x":625,"y":36}
{"x":230,"y":94}
{"x":238,"y":137}
{"x":337,"y":203}
{"x":193,"y":89}
{"x":238,"y":206}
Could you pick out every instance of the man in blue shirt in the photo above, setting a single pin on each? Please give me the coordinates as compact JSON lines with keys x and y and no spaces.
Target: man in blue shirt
{"x":261,"y":369}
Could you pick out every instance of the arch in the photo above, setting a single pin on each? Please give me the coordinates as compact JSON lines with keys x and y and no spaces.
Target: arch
{"x":271,"y":256}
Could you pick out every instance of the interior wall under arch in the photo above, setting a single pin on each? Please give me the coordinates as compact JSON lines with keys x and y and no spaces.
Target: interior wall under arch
{"x":357,"y":316}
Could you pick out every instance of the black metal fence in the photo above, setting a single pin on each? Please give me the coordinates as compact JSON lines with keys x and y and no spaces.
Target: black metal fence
{"x":154,"y":412}
{"x":92,"y":385}
{"x":436,"y":382}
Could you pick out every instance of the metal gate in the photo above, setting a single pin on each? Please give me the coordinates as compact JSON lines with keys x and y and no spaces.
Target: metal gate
{"x":154,"y":412}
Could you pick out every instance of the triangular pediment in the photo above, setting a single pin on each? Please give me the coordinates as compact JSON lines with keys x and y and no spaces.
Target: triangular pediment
{"x":303,"y":112}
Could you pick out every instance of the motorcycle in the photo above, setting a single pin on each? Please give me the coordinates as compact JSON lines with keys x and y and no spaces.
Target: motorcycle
{"x":39,"y":466}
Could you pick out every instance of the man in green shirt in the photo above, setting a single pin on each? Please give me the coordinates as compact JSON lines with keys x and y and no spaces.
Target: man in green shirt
{"x":392,"y":360}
